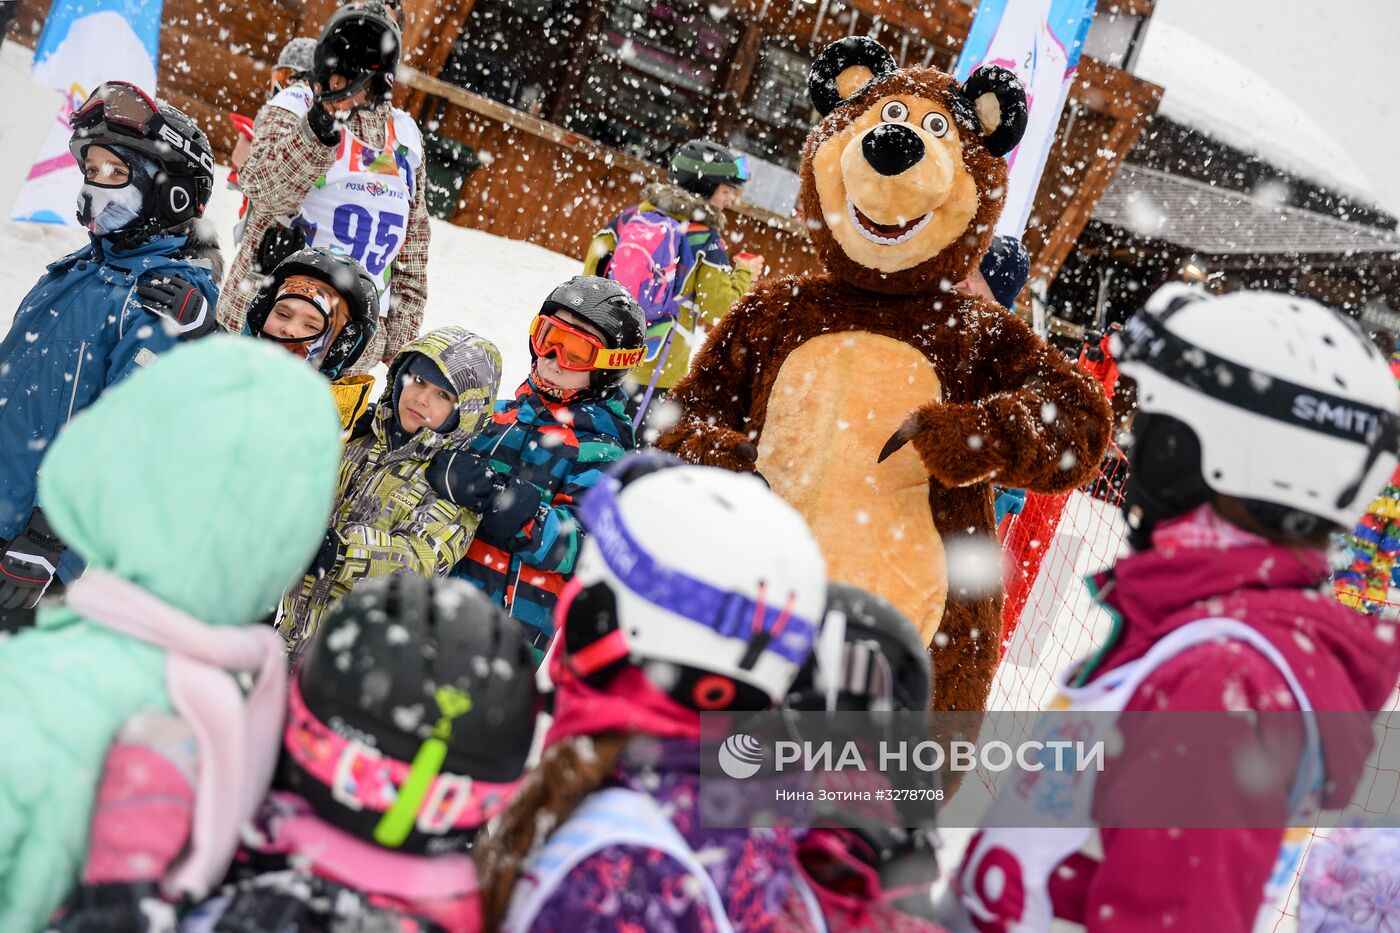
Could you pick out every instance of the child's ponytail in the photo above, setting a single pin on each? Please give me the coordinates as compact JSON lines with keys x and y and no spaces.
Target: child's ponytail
{"x":569,"y":771}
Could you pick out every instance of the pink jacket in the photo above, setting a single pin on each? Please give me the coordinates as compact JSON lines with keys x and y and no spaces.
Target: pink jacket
{"x":1344,"y":660}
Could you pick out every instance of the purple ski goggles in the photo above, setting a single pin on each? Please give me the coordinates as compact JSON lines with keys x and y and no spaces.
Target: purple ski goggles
{"x":770,"y":627}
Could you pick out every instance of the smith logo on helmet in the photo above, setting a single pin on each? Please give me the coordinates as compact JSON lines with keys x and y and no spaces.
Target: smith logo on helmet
{"x":1358,"y":421}
{"x":175,"y":139}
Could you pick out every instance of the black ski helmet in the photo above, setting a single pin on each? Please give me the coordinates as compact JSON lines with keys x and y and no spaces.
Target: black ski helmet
{"x":884,"y":663}
{"x":118,"y":113}
{"x":361,"y":43}
{"x":701,"y":166}
{"x":349,"y":279}
{"x":608,"y":307}
{"x":412,"y":715}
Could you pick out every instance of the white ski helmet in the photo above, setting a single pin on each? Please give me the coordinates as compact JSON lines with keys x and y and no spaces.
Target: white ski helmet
{"x":703,"y":578}
{"x":1287,"y":407}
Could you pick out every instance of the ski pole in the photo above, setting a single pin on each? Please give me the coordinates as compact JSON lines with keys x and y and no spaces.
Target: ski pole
{"x":656,"y":374}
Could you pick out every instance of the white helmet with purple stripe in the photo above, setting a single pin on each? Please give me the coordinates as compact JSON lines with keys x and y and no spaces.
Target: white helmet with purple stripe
{"x":703,"y":578}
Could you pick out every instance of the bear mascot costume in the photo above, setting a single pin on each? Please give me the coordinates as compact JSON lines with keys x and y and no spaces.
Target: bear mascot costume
{"x":878,"y":399}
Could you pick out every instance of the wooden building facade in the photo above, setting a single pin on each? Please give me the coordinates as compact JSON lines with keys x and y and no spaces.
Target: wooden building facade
{"x":566,"y":107}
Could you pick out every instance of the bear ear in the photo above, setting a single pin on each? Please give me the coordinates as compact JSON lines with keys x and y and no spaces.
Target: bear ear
{"x":844,"y":68}
{"x":996,"y":106}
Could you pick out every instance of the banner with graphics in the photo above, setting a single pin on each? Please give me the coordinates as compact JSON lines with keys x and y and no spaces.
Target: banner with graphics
{"x":1040,"y":40}
{"x":84,"y":43}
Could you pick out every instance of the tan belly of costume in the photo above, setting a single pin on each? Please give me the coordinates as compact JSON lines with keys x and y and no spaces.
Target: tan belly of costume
{"x":836,"y":401}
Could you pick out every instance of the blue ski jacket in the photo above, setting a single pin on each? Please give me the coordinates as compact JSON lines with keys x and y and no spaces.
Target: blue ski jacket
{"x":80,"y":330}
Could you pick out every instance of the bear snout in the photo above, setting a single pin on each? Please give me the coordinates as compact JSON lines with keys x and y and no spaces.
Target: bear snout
{"x":892,"y":148}
{"x":922,"y":183}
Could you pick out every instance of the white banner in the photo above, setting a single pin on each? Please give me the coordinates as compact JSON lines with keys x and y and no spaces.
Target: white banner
{"x":1040,"y":40}
{"x":84,"y":43}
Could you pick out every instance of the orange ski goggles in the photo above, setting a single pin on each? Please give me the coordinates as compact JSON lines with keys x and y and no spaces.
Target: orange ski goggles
{"x":578,"y":350}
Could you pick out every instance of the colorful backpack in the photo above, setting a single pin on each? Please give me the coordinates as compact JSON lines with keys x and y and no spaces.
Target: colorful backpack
{"x":647,"y":259}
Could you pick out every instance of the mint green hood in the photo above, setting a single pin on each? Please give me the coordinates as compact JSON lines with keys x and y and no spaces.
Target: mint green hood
{"x":207,"y":479}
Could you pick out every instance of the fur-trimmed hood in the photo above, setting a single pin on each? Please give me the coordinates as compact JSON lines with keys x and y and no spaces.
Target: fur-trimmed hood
{"x":683,"y":205}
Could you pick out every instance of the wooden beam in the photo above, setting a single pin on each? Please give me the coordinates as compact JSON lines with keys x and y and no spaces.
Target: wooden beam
{"x":430,"y":30}
{"x":734,"y":89}
{"x":1129,"y":102}
{"x":623,"y":165}
{"x":945,"y":22}
{"x":586,"y":40}
{"x":314,"y":14}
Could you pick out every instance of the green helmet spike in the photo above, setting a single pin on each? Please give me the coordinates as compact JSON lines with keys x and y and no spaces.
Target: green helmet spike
{"x":398,"y":821}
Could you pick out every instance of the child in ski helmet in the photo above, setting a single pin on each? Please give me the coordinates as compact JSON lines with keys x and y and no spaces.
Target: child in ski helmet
{"x":608,"y":823}
{"x":688,"y":280}
{"x":147,"y":280}
{"x":1265,"y":422}
{"x":407,"y":729}
{"x":320,"y":306}
{"x":387,"y":519}
{"x":333,"y":149}
{"x":869,"y":873}
{"x":526,"y":470}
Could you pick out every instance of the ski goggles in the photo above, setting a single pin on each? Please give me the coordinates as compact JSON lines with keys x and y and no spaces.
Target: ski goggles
{"x":577,"y":350}
{"x":122,"y":106}
{"x":735,"y":173}
{"x":760,"y":625}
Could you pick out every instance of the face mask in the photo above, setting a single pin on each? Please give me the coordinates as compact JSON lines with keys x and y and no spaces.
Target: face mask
{"x":104,"y":209}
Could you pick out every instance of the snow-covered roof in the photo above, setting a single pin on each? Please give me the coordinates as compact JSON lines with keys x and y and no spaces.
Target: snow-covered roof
{"x":1218,"y":221}
{"x":1208,"y":90}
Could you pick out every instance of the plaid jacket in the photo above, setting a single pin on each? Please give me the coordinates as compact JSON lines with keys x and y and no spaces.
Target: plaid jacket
{"x":563,"y":450}
{"x":386,"y":515}
{"x":286,"y":161}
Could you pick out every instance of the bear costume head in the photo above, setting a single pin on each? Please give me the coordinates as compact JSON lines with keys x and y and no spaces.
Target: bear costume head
{"x":903,"y":180}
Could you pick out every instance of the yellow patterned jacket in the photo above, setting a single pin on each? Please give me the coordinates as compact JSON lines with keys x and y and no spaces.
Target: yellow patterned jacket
{"x":387,"y":518}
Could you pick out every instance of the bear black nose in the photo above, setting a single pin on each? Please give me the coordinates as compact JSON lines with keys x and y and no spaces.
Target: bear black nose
{"x":891,"y":148}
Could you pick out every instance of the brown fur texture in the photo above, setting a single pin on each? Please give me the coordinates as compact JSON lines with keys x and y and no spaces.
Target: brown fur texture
{"x":997,"y":377}
{"x":1010,"y":409}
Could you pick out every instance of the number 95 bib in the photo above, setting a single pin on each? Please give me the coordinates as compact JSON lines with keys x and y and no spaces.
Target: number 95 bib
{"x":361,"y":205}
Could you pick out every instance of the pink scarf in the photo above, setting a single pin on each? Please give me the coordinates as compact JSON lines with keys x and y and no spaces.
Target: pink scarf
{"x":238,"y":738}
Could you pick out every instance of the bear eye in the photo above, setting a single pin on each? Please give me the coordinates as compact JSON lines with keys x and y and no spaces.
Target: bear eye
{"x":894,"y":112}
{"x":937,"y":124}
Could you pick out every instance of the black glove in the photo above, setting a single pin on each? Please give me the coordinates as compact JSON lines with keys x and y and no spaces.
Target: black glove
{"x":117,"y":907}
{"x":277,"y":244}
{"x":517,"y":501}
{"x":323,"y":124}
{"x":1091,"y":346}
{"x":324,"y":562}
{"x":179,"y":302}
{"x":465,"y":478}
{"x":28,"y":564}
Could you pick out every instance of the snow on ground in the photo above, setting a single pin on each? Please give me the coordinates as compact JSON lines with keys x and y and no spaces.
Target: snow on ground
{"x":1210,"y":90}
{"x":489,"y":284}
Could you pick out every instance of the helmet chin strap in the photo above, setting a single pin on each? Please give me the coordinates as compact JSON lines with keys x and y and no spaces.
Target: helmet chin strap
{"x":556,"y":392}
